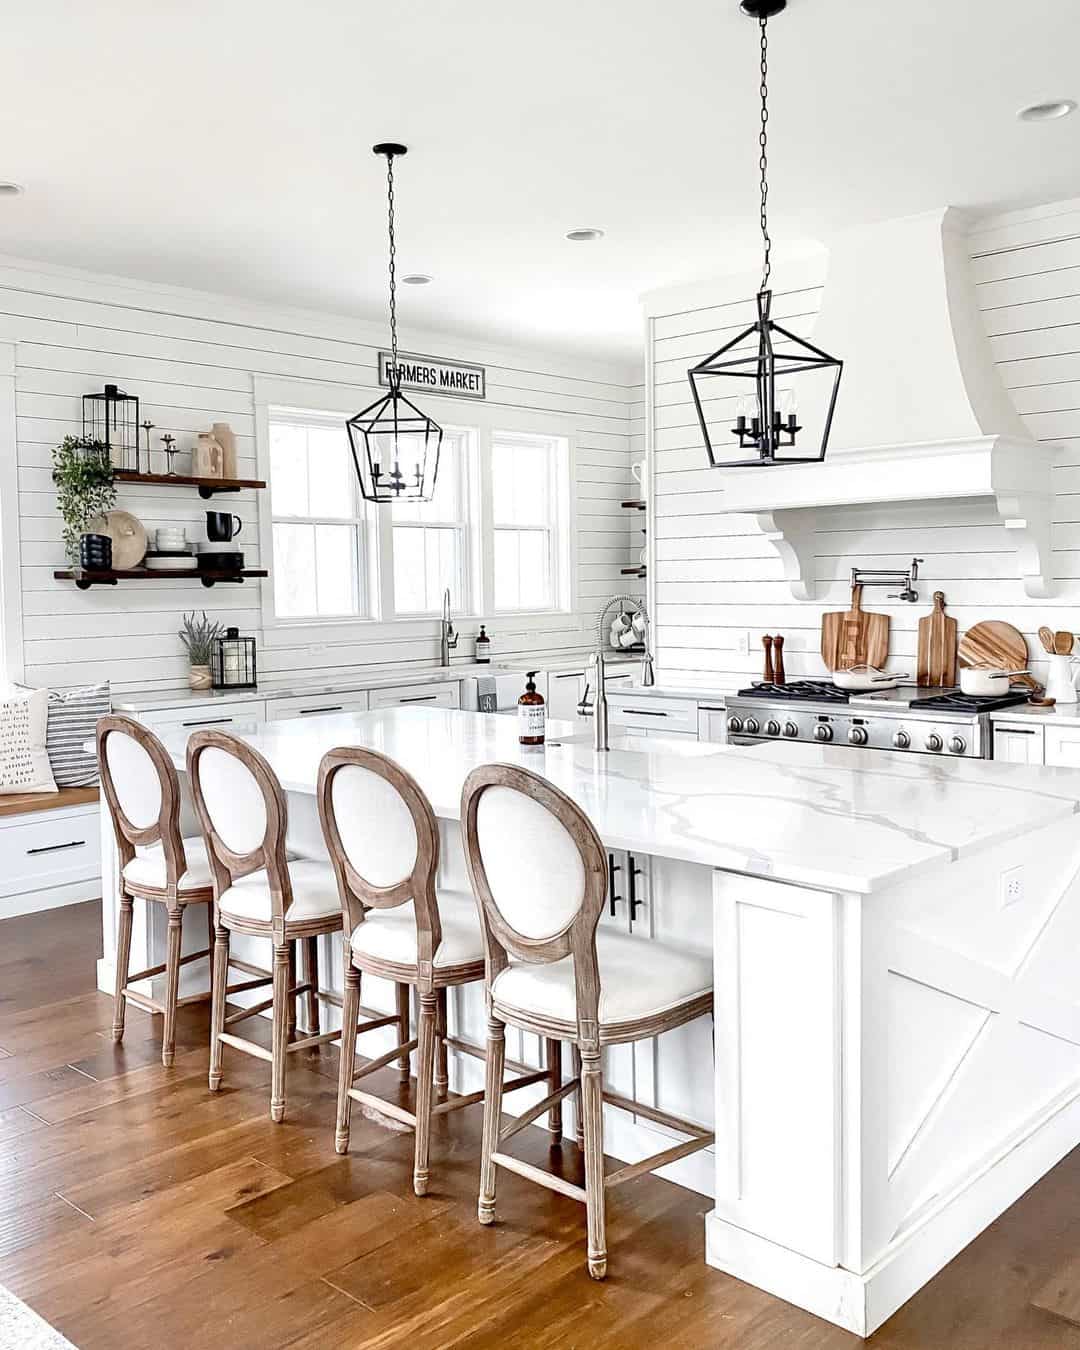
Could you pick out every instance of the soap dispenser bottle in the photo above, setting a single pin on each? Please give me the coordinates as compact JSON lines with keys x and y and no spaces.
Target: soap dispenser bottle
{"x":532,"y":714}
{"x":483,"y":647}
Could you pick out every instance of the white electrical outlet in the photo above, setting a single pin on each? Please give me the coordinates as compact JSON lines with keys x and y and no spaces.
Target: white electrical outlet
{"x":1012,"y":886}
{"x":317,"y":649}
{"x":744,"y":644}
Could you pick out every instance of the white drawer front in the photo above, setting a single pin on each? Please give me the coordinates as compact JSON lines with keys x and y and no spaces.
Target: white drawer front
{"x":278,"y":709}
{"x":1063,"y":746}
{"x":215,"y":715}
{"x":417,"y":695}
{"x":1018,"y":744}
{"x":665,"y":716}
{"x":49,"y":848}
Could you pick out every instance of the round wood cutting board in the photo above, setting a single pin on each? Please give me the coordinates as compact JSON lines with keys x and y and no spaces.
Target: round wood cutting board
{"x":995,"y":643}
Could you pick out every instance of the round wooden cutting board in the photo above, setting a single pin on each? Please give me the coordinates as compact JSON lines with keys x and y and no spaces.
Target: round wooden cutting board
{"x":128,"y":538}
{"x":995,"y":643}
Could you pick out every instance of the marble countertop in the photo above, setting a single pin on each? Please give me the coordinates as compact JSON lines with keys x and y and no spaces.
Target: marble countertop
{"x":1061,"y":714}
{"x":820,"y":816}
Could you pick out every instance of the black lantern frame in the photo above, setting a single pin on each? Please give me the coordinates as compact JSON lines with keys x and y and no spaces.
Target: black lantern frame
{"x":232,"y":661}
{"x":768,"y":432}
{"x":395,"y":446}
{"x":112,"y":417}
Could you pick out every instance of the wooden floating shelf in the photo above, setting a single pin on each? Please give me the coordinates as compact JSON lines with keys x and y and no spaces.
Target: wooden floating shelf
{"x":634,"y":506}
{"x":84,"y":580}
{"x":207,"y":486}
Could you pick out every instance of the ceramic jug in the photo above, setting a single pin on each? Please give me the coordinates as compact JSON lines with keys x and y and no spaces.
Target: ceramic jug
{"x":1061,"y":685}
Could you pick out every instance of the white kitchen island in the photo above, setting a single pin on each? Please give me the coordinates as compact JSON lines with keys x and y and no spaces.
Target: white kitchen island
{"x":896,"y":940}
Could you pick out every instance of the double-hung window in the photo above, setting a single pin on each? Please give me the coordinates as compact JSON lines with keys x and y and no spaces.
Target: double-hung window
{"x":431,"y":540}
{"x":528,"y":519}
{"x":319,"y":526}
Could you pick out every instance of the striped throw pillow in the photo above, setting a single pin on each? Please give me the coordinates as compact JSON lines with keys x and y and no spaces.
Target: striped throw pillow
{"x":73,"y":715}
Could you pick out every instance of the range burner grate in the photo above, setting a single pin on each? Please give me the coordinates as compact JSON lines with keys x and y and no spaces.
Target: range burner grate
{"x":967,"y":703}
{"x":798,"y":691}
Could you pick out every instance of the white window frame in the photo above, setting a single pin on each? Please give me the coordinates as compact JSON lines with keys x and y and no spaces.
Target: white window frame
{"x":485,"y":419}
{"x":11,"y":616}
{"x":555,"y":529}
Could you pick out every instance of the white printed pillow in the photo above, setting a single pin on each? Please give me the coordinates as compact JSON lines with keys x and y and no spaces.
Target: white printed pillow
{"x":24,"y":760}
{"x":73,"y":717}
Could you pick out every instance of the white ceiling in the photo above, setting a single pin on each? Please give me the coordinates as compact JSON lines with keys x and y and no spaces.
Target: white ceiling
{"x":225,"y":144}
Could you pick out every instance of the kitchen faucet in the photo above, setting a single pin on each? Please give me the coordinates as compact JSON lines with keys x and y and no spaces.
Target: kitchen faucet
{"x":598,"y":708}
{"x":448,"y":637}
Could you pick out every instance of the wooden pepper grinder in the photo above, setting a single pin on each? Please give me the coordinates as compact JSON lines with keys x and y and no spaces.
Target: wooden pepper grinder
{"x":768,"y":676}
{"x":779,"y":677}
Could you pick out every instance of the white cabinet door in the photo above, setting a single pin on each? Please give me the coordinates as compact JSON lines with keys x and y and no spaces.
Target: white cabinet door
{"x":278,"y":709}
{"x":418,"y":695}
{"x":654,"y":714}
{"x":564,"y":693}
{"x":1019,"y":744}
{"x":1063,"y":746}
{"x":712,"y":723}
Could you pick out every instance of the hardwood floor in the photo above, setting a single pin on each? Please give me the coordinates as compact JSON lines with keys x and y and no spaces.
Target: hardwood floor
{"x":137,"y":1210}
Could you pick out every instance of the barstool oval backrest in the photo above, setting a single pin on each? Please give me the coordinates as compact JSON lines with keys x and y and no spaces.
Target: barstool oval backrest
{"x":383,"y":840}
{"x":539,"y":871}
{"x":242,"y":811}
{"x":142,"y":789}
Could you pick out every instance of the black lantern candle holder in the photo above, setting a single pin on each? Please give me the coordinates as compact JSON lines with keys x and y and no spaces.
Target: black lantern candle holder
{"x":112,"y":417}
{"x":232,"y":661}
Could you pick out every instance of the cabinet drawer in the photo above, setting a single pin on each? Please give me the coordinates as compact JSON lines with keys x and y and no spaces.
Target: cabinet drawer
{"x":418,"y":695}
{"x":314,"y":704}
{"x":1019,"y":744}
{"x":664,"y":716}
{"x":1062,"y":746}
{"x":210,"y":715}
{"x":49,"y":849}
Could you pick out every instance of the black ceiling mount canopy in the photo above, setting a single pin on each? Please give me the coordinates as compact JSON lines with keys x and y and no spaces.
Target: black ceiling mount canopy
{"x":395,"y":446}
{"x":735,"y":390}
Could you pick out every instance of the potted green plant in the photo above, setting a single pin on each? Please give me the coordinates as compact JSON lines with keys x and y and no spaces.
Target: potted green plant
{"x":198,"y":636}
{"x":85,"y":489}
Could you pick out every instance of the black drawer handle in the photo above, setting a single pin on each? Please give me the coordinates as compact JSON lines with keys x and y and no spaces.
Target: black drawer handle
{"x":633,"y":872}
{"x":613,"y":897}
{"x":207,"y":722}
{"x":56,"y":848}
{"x":572,"y":675}
{"x":419,"y":698}
{"x":707,"y":708}
{"x":337,"y":707}
{"x":1017,"y":731}
{"x":644,"y":712}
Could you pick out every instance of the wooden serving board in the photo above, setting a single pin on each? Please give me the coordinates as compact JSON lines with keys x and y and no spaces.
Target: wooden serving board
{"x":996,"y":643}
{"x":854,"y":637}
{"x":936,"y":663}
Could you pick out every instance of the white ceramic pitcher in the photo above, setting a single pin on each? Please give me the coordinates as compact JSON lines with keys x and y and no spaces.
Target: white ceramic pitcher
{"x":1061,"y":685}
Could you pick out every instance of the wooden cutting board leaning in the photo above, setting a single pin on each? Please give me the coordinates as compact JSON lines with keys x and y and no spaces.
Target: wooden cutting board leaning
{"x":855,"y":637}
{"x":994,"y":643}
{"x":936,"y":661}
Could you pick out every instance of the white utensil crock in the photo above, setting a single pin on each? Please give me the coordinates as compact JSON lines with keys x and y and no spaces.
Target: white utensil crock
{"x":1060,"y":686}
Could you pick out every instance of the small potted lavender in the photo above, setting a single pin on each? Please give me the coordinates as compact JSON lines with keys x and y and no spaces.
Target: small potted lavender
{"x":198,"y":636}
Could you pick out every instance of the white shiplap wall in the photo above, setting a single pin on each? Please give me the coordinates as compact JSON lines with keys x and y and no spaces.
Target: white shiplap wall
{"x":718,"y":582}
{"x":192,"y":358}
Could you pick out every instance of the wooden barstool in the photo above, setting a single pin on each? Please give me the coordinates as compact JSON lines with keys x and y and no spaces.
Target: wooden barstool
{"x":383,"y":841}
{"x":142,"y":789}
{"x":258,"y":892}
{"x":539,"y":871}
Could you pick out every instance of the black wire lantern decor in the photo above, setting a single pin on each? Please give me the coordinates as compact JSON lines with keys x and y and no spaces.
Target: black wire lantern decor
{"x":112,"y":417}
{"x":395,"y":446}
{"x":766,"y":387}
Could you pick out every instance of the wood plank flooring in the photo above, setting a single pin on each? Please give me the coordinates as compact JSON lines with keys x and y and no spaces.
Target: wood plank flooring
{"x":137,"y":1210}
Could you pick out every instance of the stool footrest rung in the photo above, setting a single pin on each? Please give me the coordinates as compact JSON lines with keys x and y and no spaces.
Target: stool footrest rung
{"x":669,"y":1155}
{"x":537,"y":1174}
{"x":535,"y":1112}
{"x":246,"y":1047}
{"x":397,"y":1053}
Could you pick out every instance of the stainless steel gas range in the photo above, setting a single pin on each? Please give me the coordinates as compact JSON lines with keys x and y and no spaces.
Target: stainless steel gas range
{"x":908,"y":719}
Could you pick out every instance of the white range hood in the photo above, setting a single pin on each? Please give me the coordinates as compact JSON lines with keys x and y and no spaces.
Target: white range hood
{"x":921,"y":414}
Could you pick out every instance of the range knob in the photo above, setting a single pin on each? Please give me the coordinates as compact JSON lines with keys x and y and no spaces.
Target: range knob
{"x":790,"y":729}
{"x":901,"y":740}
{"x":957,"y":745}
{"x":858,"y":736}
{"x":734,"y":725}
{"x":823,"y":732}
{"x":751,"y":727}
{"x":934,"y":741}
{"x":772,"y":727}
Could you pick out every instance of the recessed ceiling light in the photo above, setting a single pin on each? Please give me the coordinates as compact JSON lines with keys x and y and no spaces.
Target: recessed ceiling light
{"x":1049,"y":111}
{"x":416,"y":279}
{"x":585,"y":235}
{"x":10,"y":189}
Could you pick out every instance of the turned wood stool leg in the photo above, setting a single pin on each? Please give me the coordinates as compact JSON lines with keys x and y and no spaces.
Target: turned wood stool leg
{"x":553,"y":1057}
{"x":403,"y":1029}
{"x":579,"y":1132}
{"x":350,"y":1015}
{"x":284,"y":968}
{"x":290,"y":1016}
{"x":425,"y":1071}
{"x":210,"y":938}
{"x":592,"y":1101}
{"x":493,"y":1086}
{"x":311,"y":976}
{"x":217,"y":1003}
{"x":442,"y":1058}
{"x":123,"y":960}
{"x":172,"y":985}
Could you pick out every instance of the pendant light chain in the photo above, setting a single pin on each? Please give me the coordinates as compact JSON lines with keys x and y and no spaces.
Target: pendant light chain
{"x":393,"y":261}
{"x":763,"y":160}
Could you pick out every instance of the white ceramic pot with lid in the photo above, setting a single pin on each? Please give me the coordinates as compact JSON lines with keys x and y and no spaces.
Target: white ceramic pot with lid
{"x":986,"y":682}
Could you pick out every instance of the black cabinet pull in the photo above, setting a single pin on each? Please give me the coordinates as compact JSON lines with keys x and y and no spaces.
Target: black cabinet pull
{"x":644,"y":712}
{"x":337,"y":707}
{"x":56,"y":848}
{"x":419,"y":698}
{"x":1016,"y":731}
{"x":206,"y":722}
{"x":613,"y":897}
{"x":633,"y":871}
{"x":571,"y":675}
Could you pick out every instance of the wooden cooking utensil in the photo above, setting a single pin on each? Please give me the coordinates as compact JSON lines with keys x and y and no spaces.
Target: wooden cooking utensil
{"x":767,"y":674}
{"x":997,"y":644}
{"x":1063,"y":644}
{"x":1046,"y":637}
{"x":936,"y":662}
{"x":854,"y":638}
{"x":779,"y":676}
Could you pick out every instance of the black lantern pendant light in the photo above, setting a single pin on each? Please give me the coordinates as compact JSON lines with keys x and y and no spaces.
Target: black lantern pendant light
{"x":395,"y":447}
{"x":766,"y":387}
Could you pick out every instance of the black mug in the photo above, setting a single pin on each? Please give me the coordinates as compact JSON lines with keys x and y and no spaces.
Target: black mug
{"x":221,"y":526}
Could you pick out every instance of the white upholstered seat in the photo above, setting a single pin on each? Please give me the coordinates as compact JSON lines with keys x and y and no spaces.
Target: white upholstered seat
{"x":147,"y":868}
{"x":315,"y":895}
{"x":637,"y":980}
{"x":390,"y":934}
